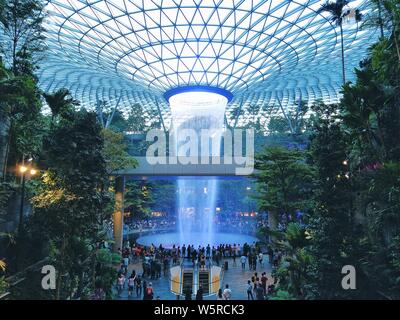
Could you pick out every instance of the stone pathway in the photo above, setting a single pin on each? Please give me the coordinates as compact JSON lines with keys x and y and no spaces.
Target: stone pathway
{"x":234,"y":276}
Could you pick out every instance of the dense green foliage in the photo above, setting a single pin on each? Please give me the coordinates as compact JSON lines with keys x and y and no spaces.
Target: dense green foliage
{"x":74,"y":156}
{"x":354,"y":155}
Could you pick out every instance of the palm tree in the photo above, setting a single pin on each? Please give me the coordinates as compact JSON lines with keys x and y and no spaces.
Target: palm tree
{"x":60,"y":102}
{"x":292,"y":271}
{"x":338,"y":13}
{"x":390,"y":15}
{"x":380,"y":18}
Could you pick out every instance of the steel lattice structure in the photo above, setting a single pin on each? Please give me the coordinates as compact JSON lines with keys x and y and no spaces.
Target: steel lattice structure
{"x":266,"y":52}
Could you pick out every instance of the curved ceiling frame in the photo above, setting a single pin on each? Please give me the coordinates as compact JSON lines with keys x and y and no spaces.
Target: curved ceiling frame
{"x":262,"y":51}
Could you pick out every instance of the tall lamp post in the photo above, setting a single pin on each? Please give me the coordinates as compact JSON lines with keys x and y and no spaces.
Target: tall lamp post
{"x":23,"y":170}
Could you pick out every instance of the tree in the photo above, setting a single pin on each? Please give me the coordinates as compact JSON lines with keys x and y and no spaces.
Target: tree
{"x":21,"y":21}
{"x":164,"y":193}
{"x":70,"y":203}
{"x":137,"y":119}
{"x":278,"y":125}
{"x":331,"y":222}
{"x":371,"y":117}
{"x":388,"y":19}
{"x":375,"y":19}
{"x":293,"y":271}
{"x":115,"y":152}
{"x":20,"y":102}
{"x":60,"y":103}
{"x":138,"y":199}
{"x":338,"y":13}
{"x":284,"y":182}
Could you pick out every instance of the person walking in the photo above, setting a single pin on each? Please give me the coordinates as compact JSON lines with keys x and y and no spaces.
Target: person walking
{"x":249,"y":290}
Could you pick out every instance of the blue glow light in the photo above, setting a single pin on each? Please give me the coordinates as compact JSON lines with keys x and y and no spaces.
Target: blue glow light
{"x":170,"y":93}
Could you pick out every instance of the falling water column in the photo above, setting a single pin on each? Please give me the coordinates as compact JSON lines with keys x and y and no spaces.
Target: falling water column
{"x":198,"y":123}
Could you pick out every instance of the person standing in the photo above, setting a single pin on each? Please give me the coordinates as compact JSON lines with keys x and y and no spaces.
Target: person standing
{"x":144,"y":287}
{"x":220,"y":296}
{"x":208,"y":251}
{"x":138,"y":285}
{"x":188,"y":294}
{"x":227,"y":293}
{"x":149,"y":292}
{"x":184,"y":252}
{"x":213,"y":251}
{"x":250,"y":261}
{"x":259,"y":292}
{"x":264,"y":280}
{"x":120,"y":284}
{"x":270,"y":255}
{"x":199,"y":294}
{"x":126,"y":262}
{"x":243,"y":259}
{"x":261,"y":259}
{"x":217,"y":255}
{"x":166,"y":265}
{"x":249,"y":290}
{"x":131,"y":284}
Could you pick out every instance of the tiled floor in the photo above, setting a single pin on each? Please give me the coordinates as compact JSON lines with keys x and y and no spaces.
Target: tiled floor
{"x":234,"y":276}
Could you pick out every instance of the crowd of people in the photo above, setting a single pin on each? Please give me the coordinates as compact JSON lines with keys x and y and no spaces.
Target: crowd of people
{"x":231,"y":223}
{"x":285,"y":219}
{"x":258,"y":287}
{"x":150,"y":224}
{"x":243,"y":225}
{"x":156,"y":262}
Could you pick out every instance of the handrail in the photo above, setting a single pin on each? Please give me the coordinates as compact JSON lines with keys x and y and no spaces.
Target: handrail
{"x":5,"y":295}
{"x":20,"y":277}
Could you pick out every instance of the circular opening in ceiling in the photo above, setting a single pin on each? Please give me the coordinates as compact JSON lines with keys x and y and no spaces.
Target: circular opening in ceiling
{"x":198,"y":94}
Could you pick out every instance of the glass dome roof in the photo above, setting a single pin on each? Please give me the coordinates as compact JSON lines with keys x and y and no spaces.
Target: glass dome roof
{"x":265,"y":52}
